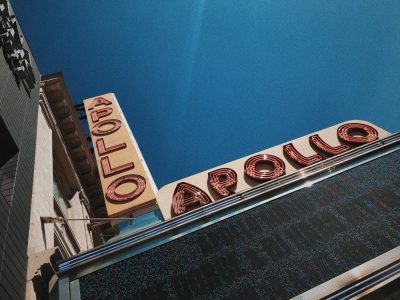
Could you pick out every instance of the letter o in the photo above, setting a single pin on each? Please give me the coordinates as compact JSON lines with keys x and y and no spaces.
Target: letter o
{"x":112,"y":195}
{"x":250,"y":167}
{"x":344,"y":133}
{"x":97,"y":128}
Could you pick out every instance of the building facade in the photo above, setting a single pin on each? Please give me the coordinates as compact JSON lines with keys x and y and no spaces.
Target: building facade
{"x":62,"y":157}
{"x":19,"y":97}
{"x":317,"y":217}
{"x":325,"y":230}
{"x":48,"y":176}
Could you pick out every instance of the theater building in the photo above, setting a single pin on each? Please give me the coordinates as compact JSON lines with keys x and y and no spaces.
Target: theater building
{"x":65,"y":185}
{"x":312,"y":218}
{"x":316,"y":217}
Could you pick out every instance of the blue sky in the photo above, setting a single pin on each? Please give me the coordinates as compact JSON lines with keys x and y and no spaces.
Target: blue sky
{"x":204,"y":82}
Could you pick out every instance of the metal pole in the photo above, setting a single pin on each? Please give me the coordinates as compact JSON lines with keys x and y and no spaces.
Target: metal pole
{"x":49,"y":219}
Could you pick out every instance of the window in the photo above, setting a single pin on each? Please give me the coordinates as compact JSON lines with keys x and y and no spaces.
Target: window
{"x":60,"y":198}
{"x":8,"y":164}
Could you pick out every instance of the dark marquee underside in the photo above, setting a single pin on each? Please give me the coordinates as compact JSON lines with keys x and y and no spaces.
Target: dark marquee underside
{"x":276,"y":250}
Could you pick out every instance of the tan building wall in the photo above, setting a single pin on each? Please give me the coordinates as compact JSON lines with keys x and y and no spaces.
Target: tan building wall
{"x":42,"y":194}
{"x":52,"y":158}
{"x":80,"y":230}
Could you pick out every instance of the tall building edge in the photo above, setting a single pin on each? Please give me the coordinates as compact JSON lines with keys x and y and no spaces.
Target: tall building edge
{"x":18,"y":118}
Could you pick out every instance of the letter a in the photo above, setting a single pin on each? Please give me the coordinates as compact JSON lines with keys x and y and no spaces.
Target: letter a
{"x":187,"y":197}
{"x":99,"y":101}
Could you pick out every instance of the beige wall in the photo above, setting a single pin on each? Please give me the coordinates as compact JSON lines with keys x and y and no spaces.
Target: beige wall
{"x":41,"y":236}
{"x":42,"y":194}
{"x":42,"y":198}
{"x":78,"y":210}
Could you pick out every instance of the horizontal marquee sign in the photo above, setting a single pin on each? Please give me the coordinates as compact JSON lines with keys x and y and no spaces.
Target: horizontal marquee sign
{"x":127,"y":184}
{"x":203,"y":188}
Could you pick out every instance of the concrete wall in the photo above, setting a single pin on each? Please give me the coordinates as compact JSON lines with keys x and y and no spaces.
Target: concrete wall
{"x":81,"y":232}
{"x":18,"y":111}
{"x":42,"y":236}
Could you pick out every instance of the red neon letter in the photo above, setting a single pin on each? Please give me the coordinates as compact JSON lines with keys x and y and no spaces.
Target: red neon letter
{"x":222,"y":179}
{"x":187,"y":197}
{"x":100,"y":113}
{"x":103,"y":149}
{"x":250,"y":167}
{"x":140,"y":182}
{"x":319,"y":143}
{"x":116,"y":124}
{"x":368,"y":133}
{"x":297,"y":157}
{"x":109,"y":171}
{"x":98,"y":101}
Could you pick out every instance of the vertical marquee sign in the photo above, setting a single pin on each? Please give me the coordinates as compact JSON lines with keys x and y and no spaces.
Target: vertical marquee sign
{"x":127,"y":185}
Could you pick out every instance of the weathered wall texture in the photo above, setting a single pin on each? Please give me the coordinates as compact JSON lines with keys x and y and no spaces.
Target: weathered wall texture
{"x":42,"y":193}
{"x":18,"y":110}
{"x":42,"y":235}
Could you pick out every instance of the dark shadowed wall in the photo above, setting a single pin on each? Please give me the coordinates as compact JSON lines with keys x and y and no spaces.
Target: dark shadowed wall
{"x":18,"y":113}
